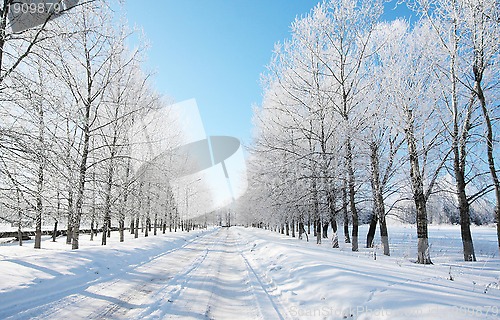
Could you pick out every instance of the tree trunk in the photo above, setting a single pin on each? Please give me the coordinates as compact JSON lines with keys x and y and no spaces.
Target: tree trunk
{"x":318,"y":231}
{"x":345,"y":213}
{"x":352,"y":193}
{"x":19,"y":219}
{"x":105,"y":226}
{"x":38,"y":220}
{"x":463,"y":206}
{"x":335,"y":237}
{"x":371,"y":230}
{"x":58,"y":212}
{"x":79,"y":202}
{"x":139,"y":210}
{"x":148,"y":210}
{"x":82,"y":170}
{"x":136,"y":234}
{"x":304,"y":232}
{"x":39,"y":207}
{"x":40,"y":182}
{"x":309,"y":224}
{"x":333,"y":218}
{"x":468,"y":246}
{"x":121,"y":212}
{"x":384,"y":236}
{"x":69,"y":229}
{"x":155,"y":224}
{"x":459,"y":149}
{"x":107,"y":200}
{"x":121,"y":229}
{"x":20,"y":232}
{"x":109,"y":228}
{"x":170,"y":220}
{"x":325,"y":229}
{"x":316,"y":213}
{"x":423,"y":254}
{"x":92,"y":227}
{"x":378,"y":199}
{"x":177,"y":217}
{"x":293,"y":228}
{"x":54,"y":232}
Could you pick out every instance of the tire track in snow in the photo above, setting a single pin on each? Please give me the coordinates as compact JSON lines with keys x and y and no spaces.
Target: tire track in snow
{"x":154,"y":285}
{"x":280,"y":312}
{"x":166,"y":296}
{"x":224,"y":286}
{"x":217,"y":301}
{"x":167,"y":285}
{"x":57,"y":300}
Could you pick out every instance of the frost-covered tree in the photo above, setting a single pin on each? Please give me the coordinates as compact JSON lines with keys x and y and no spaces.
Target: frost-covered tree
{"x":86,"y":64}
{"x":409,"y":79}
{"x":467,"y":32}
{"x":348,"y":96}
{"x":348,"y":28}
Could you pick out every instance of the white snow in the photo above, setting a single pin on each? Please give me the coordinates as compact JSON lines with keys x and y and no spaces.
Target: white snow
{"x":247,"y":273}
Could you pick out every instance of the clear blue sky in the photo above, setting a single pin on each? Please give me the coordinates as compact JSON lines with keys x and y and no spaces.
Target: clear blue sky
{"x":215,"y":50}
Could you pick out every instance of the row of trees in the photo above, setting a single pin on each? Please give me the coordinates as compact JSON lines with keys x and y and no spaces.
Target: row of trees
{"x":362,"y":118}
{"x":71,"y":89}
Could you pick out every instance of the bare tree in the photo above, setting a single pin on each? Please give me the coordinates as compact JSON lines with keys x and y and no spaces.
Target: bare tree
{"x":90,"y":53}
{"x":468,"y":34}
{"x":348,"y":32}
{"x":481,"y":24}
{"x":410,"y":81}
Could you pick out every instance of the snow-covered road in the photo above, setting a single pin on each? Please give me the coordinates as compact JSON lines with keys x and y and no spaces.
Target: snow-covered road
{"x":247,"y":273}
{"x":206,"y":278}
{"x":217,"y":283}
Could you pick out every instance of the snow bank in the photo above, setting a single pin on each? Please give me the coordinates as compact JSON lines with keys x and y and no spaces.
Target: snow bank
{"x":318,"y":282}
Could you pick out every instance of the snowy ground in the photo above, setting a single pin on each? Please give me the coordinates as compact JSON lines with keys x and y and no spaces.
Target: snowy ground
{"x":245,"y":273}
